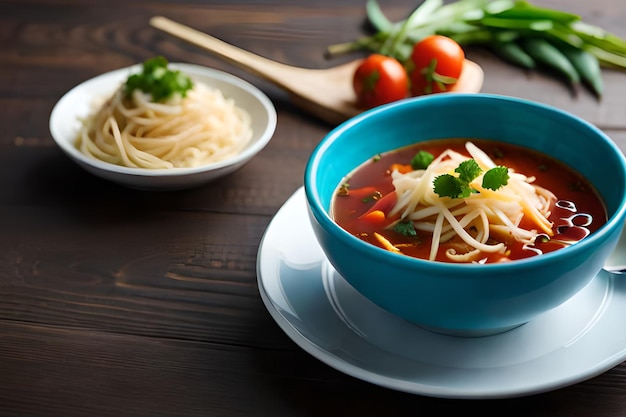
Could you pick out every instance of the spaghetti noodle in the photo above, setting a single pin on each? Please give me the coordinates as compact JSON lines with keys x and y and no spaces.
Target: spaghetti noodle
{"x":199,"y":127}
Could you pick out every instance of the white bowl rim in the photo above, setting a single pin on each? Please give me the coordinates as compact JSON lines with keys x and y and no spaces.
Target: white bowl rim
{"x":248,"y":152}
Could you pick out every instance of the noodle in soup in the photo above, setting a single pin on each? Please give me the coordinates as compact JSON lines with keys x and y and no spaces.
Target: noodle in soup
{"x":543,"y":206}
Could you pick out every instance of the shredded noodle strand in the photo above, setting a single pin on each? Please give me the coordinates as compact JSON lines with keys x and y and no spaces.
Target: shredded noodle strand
{"x":477,"y":218}
{"x":201,"y":128}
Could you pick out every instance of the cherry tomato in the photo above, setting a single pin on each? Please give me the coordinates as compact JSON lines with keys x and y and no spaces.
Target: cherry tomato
{"x":437,"y":64}
{"x":380,"y":79}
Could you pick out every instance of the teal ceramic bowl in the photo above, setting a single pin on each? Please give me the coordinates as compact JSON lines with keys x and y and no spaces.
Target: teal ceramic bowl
{"x":466,"y":299}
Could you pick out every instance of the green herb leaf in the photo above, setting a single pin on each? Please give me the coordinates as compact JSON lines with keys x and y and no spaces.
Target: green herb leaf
{"x":405,"y":228}
{"x":447,"y":185}
{"x":421,"y":160}
{"x":496,"y":177}
{"x":158,"y":81}
{"x":468,"y":170}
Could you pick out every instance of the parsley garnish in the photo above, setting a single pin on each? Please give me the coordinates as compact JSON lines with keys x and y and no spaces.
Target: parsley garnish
{"x":468,"y":170}
{"x":421,"y":160}
{"x":405,"y":228}
{"x":447,"y":185}
{"x":496,"y":177}
{"x":158,"y":81}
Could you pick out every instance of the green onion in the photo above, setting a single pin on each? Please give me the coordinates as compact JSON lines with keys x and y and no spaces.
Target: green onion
{"x":376,"y":17}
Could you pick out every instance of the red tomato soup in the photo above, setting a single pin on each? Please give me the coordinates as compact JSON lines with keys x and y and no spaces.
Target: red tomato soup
{"x":364,"y":206}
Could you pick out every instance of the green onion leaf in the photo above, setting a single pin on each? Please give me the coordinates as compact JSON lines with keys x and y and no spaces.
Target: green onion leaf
{"x":526,"y":10}
{"x":376,"y":17}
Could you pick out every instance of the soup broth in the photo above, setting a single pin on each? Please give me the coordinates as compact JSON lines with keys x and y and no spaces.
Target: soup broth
{"x":364,"y":203}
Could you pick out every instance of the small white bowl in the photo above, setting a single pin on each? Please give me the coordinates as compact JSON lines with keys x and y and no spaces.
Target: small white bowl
{"x":77,"y":103}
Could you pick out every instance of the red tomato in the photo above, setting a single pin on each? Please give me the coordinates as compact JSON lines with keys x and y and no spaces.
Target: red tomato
{"x":380,"y":80}
{"x":437,"y":64}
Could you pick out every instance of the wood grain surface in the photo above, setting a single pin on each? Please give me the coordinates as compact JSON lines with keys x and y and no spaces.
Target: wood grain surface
{"x":116,"y":302}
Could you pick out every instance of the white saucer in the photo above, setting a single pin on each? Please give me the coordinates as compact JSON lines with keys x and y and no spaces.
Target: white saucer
{"x":326,"y":317}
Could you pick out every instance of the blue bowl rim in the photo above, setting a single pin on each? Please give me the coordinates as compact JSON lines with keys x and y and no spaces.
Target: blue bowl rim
{"x":313,"y":200}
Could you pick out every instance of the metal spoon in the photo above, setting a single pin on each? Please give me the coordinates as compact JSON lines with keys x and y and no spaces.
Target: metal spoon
{"x":325,"y":93}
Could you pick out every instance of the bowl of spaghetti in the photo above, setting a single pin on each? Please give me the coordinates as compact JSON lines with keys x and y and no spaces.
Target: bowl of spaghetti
{"x":467,"y":214}
{"x":163,"y":126}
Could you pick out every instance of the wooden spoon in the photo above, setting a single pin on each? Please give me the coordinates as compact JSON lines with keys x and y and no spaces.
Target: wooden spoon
{"x":325,"y":93}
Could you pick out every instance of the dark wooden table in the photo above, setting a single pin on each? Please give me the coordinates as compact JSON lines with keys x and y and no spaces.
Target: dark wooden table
{"x":116,"y":302}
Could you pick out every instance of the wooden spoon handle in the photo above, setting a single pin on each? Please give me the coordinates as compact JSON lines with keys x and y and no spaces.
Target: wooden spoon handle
{"x":272,"y":71}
